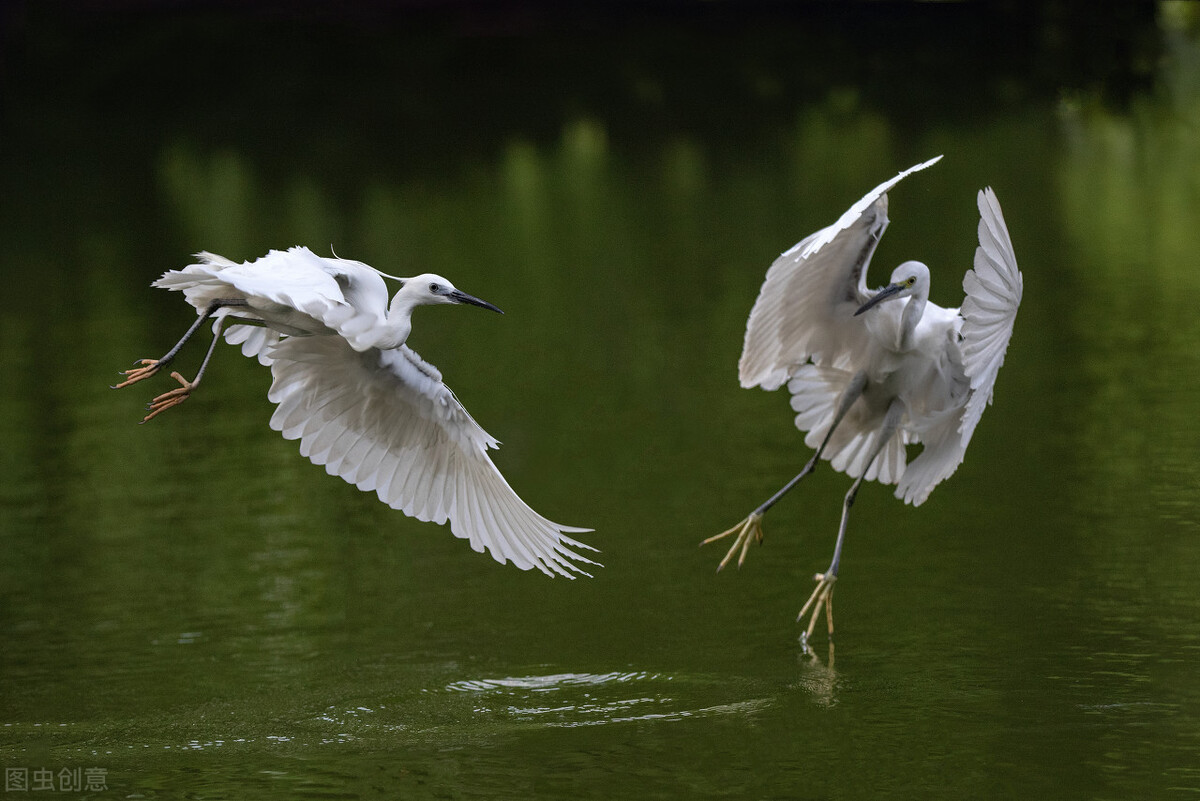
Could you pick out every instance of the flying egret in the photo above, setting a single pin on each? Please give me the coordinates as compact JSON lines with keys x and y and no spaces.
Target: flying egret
{"x":872,"y":372}
{"x":362,"y":403}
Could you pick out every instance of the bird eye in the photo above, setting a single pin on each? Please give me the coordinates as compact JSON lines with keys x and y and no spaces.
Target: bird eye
{"x":912,"y":279}
{"x":435,"y":288}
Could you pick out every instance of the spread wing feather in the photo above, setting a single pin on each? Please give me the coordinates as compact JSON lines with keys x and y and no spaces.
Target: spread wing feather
{"x":295,"y":292}
{"x":815,"y":392}
{"x":993,"y":290}
{"x":941,"y":453}
{"x":989,"y":310}
{"x":385,"y":422}
{"x":806,"y":305}
{"x":801,"y":331}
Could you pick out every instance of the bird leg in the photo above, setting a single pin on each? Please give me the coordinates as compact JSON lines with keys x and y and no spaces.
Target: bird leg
{"x":181,"y":393}
{"x":751,"y":528}
{"x":135,"y":374}
{"x":746,"y":531}
{"x":822,"y":596}
{"x":171,"y":398}
{"x":151,"y":366}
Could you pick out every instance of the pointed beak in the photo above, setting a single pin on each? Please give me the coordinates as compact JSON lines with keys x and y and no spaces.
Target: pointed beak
{"x":887,"y":293}
{"x":462,"y":297}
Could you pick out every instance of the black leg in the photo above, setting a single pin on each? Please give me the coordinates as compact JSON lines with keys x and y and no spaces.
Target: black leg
{"x":750,"y":529}
{"x":151,"y":366}
{"x":822,"y":596}
{"x":181,"y":393}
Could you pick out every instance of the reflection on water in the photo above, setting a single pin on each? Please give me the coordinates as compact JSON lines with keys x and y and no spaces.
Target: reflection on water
{"x":576,"y":699}
{"x":817,"y":680}
{"x":550,"y":683}
{"x":1129,"y":184}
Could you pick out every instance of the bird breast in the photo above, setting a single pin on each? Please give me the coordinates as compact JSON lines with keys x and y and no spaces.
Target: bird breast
{"x":926,"y":373}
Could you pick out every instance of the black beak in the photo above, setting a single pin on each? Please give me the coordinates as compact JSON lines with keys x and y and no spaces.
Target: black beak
{"x":887,"y":292}
{"x":462,"y":297}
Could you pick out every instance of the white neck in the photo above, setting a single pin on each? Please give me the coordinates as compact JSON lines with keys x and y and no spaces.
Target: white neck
{"x":398,"y":325}
{"x":914,"y":308}
{"x":386,"y":333}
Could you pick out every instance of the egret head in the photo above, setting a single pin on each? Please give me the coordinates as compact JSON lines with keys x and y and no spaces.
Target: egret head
{"x":428,"y":289}
{"x":909,"y":279}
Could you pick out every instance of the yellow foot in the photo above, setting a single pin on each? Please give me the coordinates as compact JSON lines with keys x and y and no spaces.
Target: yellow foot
{"x":822,"y":596}
{"x":149,"y":367}
{"x":168,"y":399}
{"x":746,"y":531}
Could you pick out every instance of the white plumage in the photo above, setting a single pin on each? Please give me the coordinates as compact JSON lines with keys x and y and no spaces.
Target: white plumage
{"x":362,"y":403}
{"x":803,"y":330}
{"x":873,"y":372}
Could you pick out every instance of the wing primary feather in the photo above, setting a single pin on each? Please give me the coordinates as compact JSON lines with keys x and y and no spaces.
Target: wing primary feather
{"x":384,"y":421}
{"x":500,"y":506}
{"x":993,"y":295}
{"x":804,"y":310}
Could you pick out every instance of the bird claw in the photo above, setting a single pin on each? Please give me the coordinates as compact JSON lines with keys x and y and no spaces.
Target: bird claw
{"x":168,"y":399}
{"x":822,"y":596}
{"x":746,"y":531}
{"x":135,"y":374}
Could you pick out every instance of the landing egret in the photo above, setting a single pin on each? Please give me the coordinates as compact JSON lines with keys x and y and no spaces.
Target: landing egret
{"x":362,"y":403}
{"x":871,"y":372}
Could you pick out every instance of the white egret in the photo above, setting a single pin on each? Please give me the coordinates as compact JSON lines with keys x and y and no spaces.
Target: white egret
{"x":362,"y":403}
{"x":872,"y":372}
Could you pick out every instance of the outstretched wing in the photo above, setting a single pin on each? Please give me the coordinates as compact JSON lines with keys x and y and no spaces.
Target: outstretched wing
{"x":815,"y":392}
{"x":993,"y":294}
{"x":385,"y":422}
{"x":294,"y":279}
{"x":291,"y":291}
{"x":941,"y":453}
{"x":805,"y":309}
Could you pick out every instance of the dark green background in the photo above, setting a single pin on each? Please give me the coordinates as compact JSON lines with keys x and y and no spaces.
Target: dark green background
{"x":195,"y":608}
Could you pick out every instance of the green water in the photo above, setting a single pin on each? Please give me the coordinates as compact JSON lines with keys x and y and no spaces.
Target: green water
{"x":196,"y":611}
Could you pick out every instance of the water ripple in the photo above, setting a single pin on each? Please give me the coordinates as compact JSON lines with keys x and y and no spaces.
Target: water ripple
{"x":553,"y":682}
{"x":591,"y":699}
